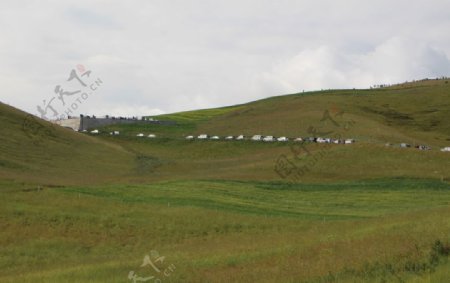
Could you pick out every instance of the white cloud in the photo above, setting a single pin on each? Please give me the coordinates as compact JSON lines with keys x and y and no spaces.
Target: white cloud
{"x":127,"y":111}
{"x":393,"y":61}
{"x":181,"y":55}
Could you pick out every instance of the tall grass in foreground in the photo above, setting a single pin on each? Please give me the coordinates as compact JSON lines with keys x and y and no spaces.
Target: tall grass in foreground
{"x":225,"y":231}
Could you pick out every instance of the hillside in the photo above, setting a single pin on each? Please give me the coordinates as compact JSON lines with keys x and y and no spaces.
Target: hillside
{"x":414,"y":113}
{"x":33,"y":150}
{"x":417,"y":113}
{"x":82,"y":208}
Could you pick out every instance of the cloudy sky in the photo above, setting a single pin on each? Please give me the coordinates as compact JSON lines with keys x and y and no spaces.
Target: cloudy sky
{"x":165,"y":56}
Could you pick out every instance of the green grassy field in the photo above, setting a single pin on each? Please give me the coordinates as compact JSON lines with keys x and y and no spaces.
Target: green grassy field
{"x":81,"y":208}
{"x":227,"y":231}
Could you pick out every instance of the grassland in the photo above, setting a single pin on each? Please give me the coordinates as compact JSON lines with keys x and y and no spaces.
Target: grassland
{"x":80,"y":208}
{"x":226,"y":231}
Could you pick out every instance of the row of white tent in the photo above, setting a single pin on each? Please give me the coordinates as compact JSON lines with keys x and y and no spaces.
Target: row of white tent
{"x":149,"y":136}
{"x":272,"y":139}
{"x":116,"y":133}
{"x":95,"y":132}
{"x":268,"y":139}
{"x":420,"y":147}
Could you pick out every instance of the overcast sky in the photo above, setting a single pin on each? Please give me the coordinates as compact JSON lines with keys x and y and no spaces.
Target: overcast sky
{"x":165,"y":56}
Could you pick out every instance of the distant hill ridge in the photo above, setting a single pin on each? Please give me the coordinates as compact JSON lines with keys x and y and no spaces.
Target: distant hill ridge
{"x":34,"y":150}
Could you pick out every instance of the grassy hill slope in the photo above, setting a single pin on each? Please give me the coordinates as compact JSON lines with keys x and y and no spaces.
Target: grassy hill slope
{"x":37,"y":151}
{"x":413,"y":113}
{"x":217,"y":210}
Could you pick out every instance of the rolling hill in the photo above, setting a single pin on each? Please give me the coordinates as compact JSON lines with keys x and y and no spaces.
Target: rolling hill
{"x":33,"y":150}
{"x":82,"y":208}
{"x":414,"y":113}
